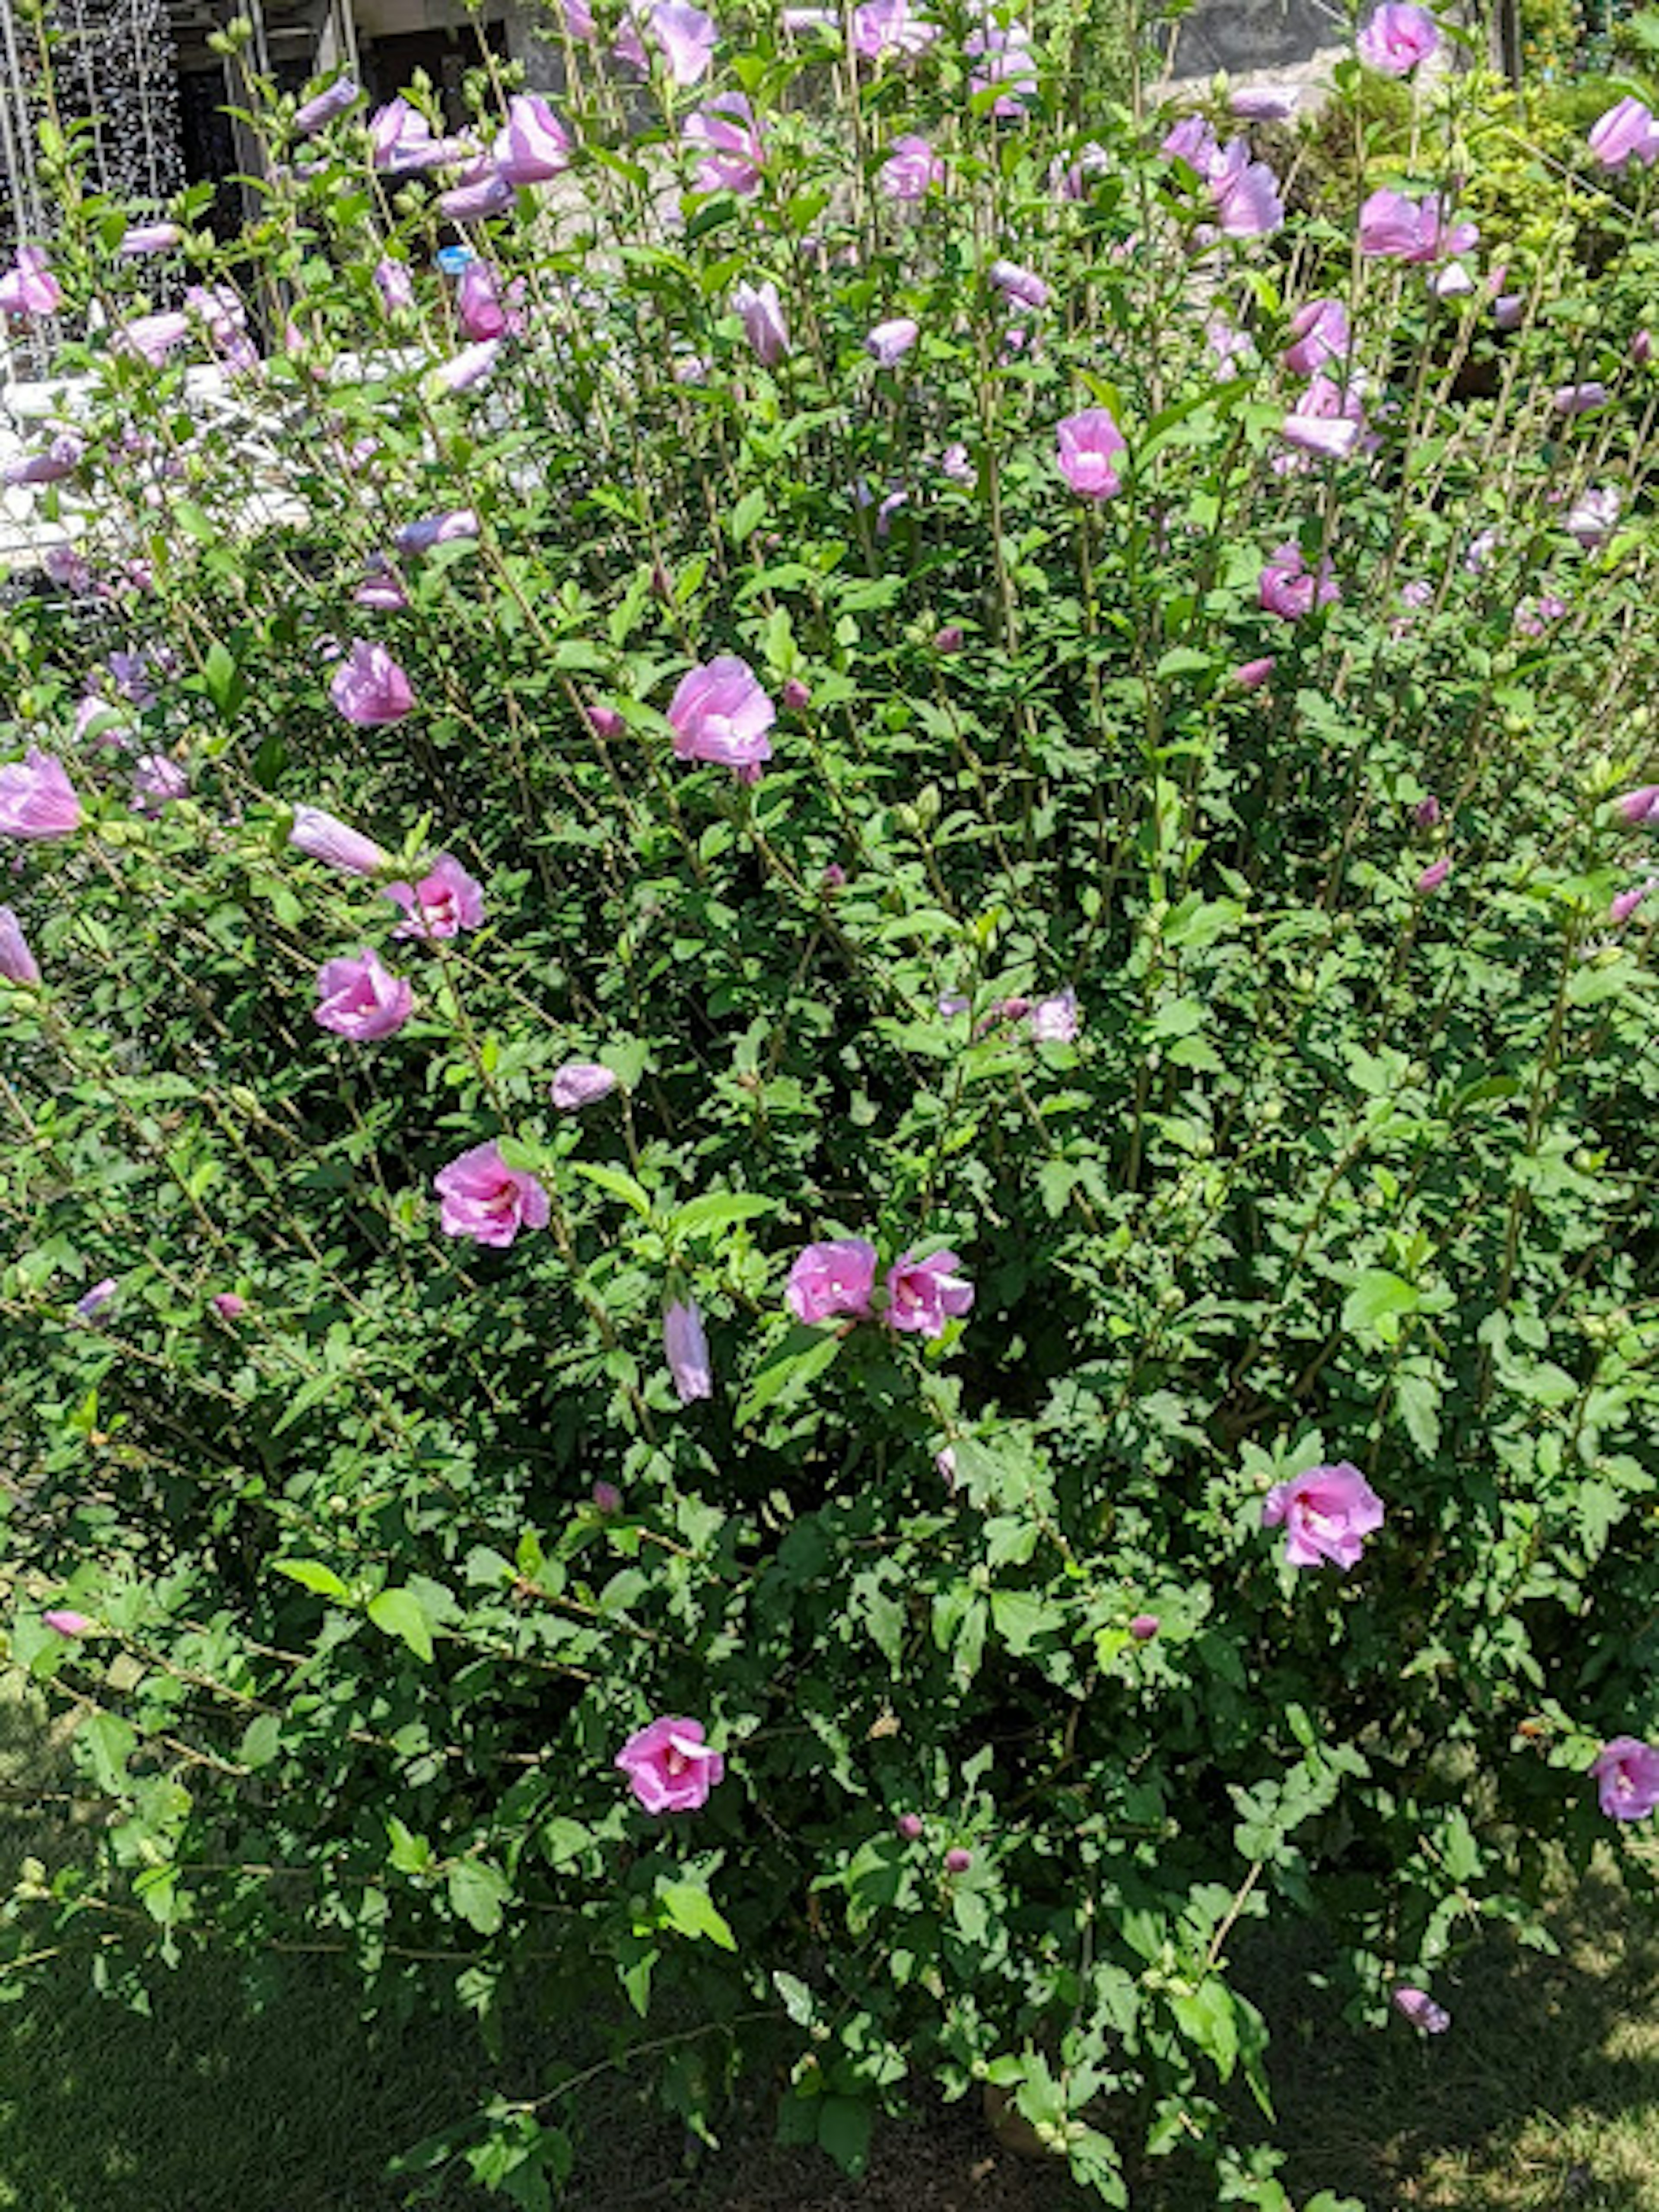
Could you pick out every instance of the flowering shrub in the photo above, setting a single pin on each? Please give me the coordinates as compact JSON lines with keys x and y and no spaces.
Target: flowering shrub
{"x":843,"y":1216}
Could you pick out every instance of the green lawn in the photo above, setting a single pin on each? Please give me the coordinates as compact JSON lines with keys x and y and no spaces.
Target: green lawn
{"x":1545,"y":2094}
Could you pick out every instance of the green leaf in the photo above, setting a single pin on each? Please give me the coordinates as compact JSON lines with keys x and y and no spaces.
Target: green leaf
{"x":720,"y":1209}
{"x":261,"y":1740}
{"x":479,"y":1893}
{"x":399,"y":1613}
{"x":619,"y":1184}
{"x":844,"y":2126}
{"x":804,"y":1355}
{"x":311,"y":1575}
{"x":1377,"y":1304}
{"x":691,"y":1911}
{"x":108,"y":1741}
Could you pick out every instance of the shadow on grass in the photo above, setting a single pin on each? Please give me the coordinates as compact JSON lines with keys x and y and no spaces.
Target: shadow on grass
{"x":1545,"y":2094}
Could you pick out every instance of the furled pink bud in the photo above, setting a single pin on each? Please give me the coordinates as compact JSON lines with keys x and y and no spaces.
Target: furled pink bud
{"x":62,"y":1621}
{"x":1433,"y":876}
{"x":580,"y":1082}
{"x":339,"y":96}
{"x":1621,"y":909}
{"x":368,"y":688}
{"x":606,"y":1497}
{"x":957,"y":1861}
{"x":144,"y":238}
{"x":888,"y":342}
{"x":1143,"y":1627}
{"x":949,"y":638}
{"x":1641,"y":806}
{"x":17,"y":964}
{"x":795,"y":695}
{"x":95,"y":1302}
{"x":908,"y":1826}
{"x":534,"y":146}
{"x":1424,"y":2013}
{"x":761,"y":312}
{"x":28,"y":287}
{"x":685,"y":1345}
{"x":322,"y":837}
{"x":229,"y":1305}
{"x":1021,"y":288}
{"x":1251,"y":675}
{"x":1426,"y":812}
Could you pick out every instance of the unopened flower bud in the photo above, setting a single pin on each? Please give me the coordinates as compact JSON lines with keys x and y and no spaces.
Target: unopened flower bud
{"x":1143,"y":1627}
{"x":607,"y":1497}
{"x":957,"y":1861}
{"x":908,"y":1826}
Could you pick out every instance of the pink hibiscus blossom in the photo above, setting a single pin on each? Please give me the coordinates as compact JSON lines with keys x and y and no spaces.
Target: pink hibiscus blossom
{"x":37,"y":798}
{"x":669,"y":1766}
{"x":721,"y":713}
{"x":361,"y":999}
{"x":486,"y":1199}
{"x":922,"y":1295}
{"x":1328,"y":1512}
{"x":445,"y":900}
{"x":837,"y":1277}
{"x":1626,"y":1773}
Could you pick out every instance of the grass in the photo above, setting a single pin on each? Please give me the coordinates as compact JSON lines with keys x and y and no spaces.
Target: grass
{"x":1545,"y":2094}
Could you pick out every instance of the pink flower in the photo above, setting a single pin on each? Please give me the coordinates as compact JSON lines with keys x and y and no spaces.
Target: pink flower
{"x":481,"y":191}
{"x":63,"y":1622}
{"x":1394,"y":229}
{"x":686,"y":1346}
{"x":1420,"y":2008}
{"x":28,"y":287}
{"x":888,"y":342}
{"x":444,"y":903}
{"x":735,"y":154}
{"x":1641,"y":804}
{"x":1328,"y":1512}
{"x":339,"y":96}
{"x":669,"y":1767}
{"x":472,"y":365}
{"x":922,"y":1295}
{"x":1143,"y":1627}
{"x":1593,"y":516}
{"x":1005,"y":62}
{"x":1627,"y":132}
{"x":1021,"y":288}
{"x":533,"y":147}
{"x":400,"y":137}
{"x":1326,"y":421}
{"x":229,"y":1305}
{"x":17,"y":964}
{"x":1580,"y":398}
{"x":37,"y":798}
{"x":957,"y":1860}
{"x":685,"y":36}
{"x":1619,"y":909}
{"x":323,"y":836}
{"x":580,"y":1082}
{"x":1192,"y":141}
{"x":1426,"y":812}
{"x":721,"y":713}
{"x":830,"y":1279}
{"x":795,"y":696}
{"x":1641,"y":349}
{"x":908,"y":1826}
{"x":1433,"y":876}
{"x":911,"y":170}
{"x":157,"y":782}
{"x":1251,"y":675}
{"x":486,"y":1199}
{"x":607,"y":1499}
{"x":881,"y":28}
{"x":480,"y":308}
{"x":1056,"y":1020}
{"x":1319,"y":333}
{"x":369,"y":686}
{"x":1266,"y":103}
{"x":1290,"y":589}
{"x":89,"y":1307}
{"x":381,"y":589}
{"x":460,"y":523}
{"x":395,"y":285}
{"x":1246,"y":193}
{"x":144,"y":238}
{"x":60,"y":459}
{"x":1089,"y":445}
{"x":1398,"y":37}
{"x":764,"y":326}
{"x":1509,"y":311}
{"x":1626,"y":1773}
{"x":361,"y":999}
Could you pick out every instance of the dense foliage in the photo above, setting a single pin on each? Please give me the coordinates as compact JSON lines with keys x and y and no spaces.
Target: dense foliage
{"x":1168,"y":874}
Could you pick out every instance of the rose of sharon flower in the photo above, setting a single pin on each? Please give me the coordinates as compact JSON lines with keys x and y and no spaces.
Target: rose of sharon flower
{"x":91,"y":1303}
{"x":17,"y":964}
{"x":836,"y":1277}
{"x":885,"y":28}
{"x":1327,"y":1513}
{"x":444,"y":903}
{"x":686,"y":1346}
{"x":323,"y":836}
{"x":37,"y":798}
{"x":922,"y":1295}
{"x":1398,"y":37}
{"x":1627,"y":132}
{"x":685,"y":36}
{"x":888,"y":342}
{"x":480,"y":309}
{"x":580,"y":1082}
{"x":1021,"y":288}
{"x":361,"y":999}
{"x":1641,"y":804}
{"x":1393,"y":228}
{"x":1056,"y":1020}
{"x":1420,"y":2008}
{"x":1246,"y":193}
{"x":669,"y":1767}
{"x":63,"y":1620}
{"x":28,"y":287}
{"x":1005,"y":62}
{"x":1626,"y":1773}
{"x":721,"y":713}
{"x":1287,"y":587}
{"x":144,"y":238}
{"x":734,"y":154}
{"x":534,"y":146}
{"x":764,"y":326}
{"x":369,"y":686}
{"x":1319,"y":333}
{"x":1089,"y":445}
{"x":911,"y":170}
{"x":339,"y":96}
{"x":486,"y":1199}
